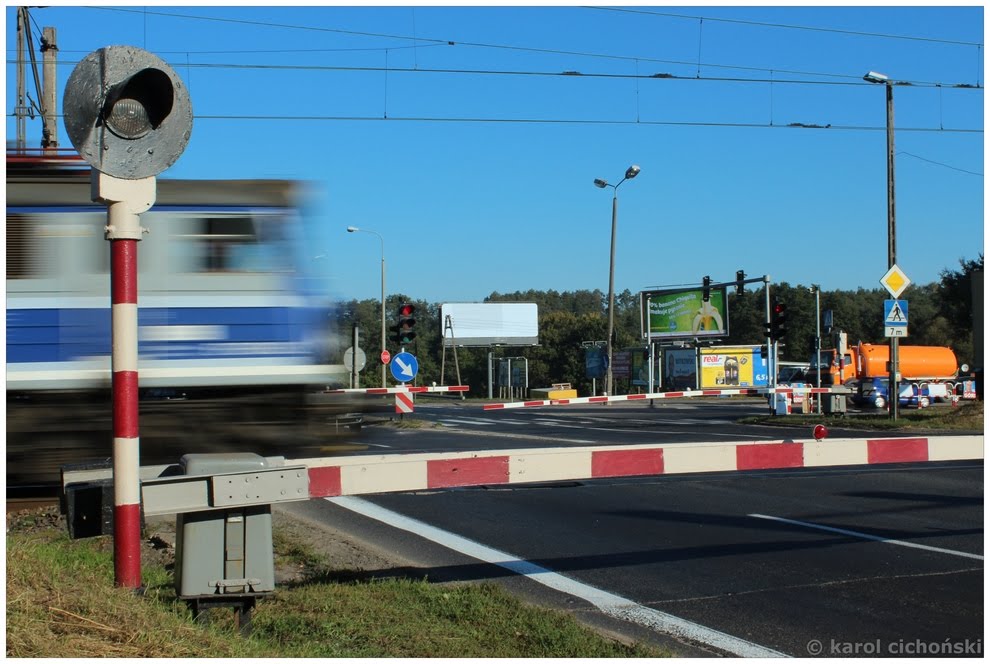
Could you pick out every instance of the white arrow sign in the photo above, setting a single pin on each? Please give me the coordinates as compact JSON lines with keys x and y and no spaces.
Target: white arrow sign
{"x":404,"y":369}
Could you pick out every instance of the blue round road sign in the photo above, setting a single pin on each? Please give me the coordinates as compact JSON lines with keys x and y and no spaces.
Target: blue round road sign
{"x":404,"y":367}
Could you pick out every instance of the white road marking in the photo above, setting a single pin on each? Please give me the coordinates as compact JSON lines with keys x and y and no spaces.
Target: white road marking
{"x":873,"y":538}
{"x":608,"y":603}
{"x":473,"y":423}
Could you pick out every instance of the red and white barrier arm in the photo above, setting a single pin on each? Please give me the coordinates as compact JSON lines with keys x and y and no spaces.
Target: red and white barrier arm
{"x":413,"y":472}
{"x":746,"y":391}
{"x":304,"y":479}
{"x":405,"y":389}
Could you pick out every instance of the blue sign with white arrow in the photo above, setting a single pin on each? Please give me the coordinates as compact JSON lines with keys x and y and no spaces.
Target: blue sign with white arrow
{"x":404,"y":367}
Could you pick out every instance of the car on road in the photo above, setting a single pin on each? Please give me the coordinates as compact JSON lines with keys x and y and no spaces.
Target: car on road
{"x":872,"y":393}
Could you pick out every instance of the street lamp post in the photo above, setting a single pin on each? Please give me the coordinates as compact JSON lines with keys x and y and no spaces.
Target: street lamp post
{"x":631,"y":172}
{"x":893,"y":391}
{"x":355,"y":229}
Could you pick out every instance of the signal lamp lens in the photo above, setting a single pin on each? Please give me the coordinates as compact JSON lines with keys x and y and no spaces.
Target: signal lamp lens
{"x":128,"y":118}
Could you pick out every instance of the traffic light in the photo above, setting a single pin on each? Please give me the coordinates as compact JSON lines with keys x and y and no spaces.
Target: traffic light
{"x":406,"y":322}
{"x":706,"y":286}
{"x":740,"y":278}
{"x":127,"y":112}
{"x":778,"y":324}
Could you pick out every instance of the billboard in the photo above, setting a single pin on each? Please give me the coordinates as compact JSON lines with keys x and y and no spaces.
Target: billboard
{"x":680,"y":368}
{"x":640,"y":370}
{"x":489,"y":324}
{"x":595,"y":362}
{"x":732,"y":366}
{"x":684,"y":313}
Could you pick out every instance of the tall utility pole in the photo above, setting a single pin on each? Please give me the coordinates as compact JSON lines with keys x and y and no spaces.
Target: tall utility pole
{"x":893,"y":391}
{"x":49,"y":99}
{"x":20,"y":109}
{"x":47,"y":92}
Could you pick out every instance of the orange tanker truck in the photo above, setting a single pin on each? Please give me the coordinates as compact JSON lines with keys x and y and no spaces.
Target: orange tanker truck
{"x":914,"y":363}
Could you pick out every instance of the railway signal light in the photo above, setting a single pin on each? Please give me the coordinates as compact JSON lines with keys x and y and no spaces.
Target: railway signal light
{"x":406,"y":322}
{"x":127,"y":112}
{"x":778,"y":324}
{"x":706,"y":288}
{"x":740,"y":278}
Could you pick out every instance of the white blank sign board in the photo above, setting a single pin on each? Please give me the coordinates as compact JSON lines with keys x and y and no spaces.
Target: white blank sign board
{"x":490,"y":323}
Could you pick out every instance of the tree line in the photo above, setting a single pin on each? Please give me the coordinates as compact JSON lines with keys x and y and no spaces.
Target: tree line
{"x":940,"y":314}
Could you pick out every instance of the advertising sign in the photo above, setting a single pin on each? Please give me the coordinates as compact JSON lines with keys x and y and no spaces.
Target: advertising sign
{"x":684,"y":313}
{"x":620,"y":363}
{"x":489,"y":324}
{"x":732,"y":366}
{"x":680,"y":369}
{"x":595,"y":362}
{"x":641,"y":369}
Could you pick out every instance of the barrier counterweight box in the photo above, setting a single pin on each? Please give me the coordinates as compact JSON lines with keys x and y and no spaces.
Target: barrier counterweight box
{"x":224,"y":551}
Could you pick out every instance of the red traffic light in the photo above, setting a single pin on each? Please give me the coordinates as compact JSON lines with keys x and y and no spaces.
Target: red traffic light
{"x":406,"y":310}
{"x":779,"y":308}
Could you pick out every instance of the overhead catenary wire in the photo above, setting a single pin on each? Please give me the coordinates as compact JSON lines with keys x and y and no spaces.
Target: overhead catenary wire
{"x":548,"y":51}
{"x":787,"y":26}
{"x":576,"y":121}
{"x":853,"y":80}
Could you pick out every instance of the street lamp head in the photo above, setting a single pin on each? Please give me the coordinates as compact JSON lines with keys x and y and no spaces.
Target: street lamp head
{"x":601,"y":184}
{"x":875,"y":77}
{"x":351,"y":229}
{"x":632,"y":172}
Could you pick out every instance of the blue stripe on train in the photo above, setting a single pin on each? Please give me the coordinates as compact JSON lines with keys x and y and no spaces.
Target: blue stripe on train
{"x":59,"y":335}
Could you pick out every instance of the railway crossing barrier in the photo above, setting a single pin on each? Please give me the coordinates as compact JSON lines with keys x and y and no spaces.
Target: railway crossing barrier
{"x":404,"y":402}
{"x":168,"y":489}
{"x":222,"y":502}
{"x":740,"y":391}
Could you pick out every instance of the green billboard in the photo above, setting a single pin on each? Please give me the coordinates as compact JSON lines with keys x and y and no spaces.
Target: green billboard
{"x":683,"y":313}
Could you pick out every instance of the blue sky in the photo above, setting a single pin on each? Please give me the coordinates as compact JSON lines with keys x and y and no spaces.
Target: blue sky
{"x":483,"y":181}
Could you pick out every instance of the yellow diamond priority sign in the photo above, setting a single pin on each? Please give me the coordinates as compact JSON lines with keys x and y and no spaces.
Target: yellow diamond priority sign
{"x":895,"y":281}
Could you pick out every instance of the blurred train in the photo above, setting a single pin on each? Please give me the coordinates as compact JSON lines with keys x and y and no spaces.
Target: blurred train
{"x":234,"y":338}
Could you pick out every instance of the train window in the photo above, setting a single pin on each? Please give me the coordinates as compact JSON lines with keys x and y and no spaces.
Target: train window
{"x":229,"y":243}
{"x":224,"y":238}
{"x":217,"y":243}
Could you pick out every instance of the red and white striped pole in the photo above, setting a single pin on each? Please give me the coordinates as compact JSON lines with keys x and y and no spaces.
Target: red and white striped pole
{"x":125,"y":200}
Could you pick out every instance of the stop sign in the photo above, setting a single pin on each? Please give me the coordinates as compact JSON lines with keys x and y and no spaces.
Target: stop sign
{"x":386,"y":357}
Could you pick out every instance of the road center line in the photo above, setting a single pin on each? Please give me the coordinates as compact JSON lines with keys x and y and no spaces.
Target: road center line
{"x":606,"y":602}
{"x":873,"y":538}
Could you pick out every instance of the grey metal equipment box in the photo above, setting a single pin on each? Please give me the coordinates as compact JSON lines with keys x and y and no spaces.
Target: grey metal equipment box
{"x":834,"y":403}
{"x":224,"y":551}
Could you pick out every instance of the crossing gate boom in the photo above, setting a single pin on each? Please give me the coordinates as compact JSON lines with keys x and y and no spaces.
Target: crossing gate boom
{"x":285,"y":480}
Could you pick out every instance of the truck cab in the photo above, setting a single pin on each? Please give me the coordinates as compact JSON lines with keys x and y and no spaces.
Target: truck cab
{"x":833,"y":371}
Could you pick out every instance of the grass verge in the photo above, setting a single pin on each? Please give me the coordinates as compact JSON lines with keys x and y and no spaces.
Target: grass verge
{"x":967,"y":416}
{"x":61,"y":603}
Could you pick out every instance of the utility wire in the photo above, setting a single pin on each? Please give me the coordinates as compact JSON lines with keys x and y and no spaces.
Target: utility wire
{"x":938,"y":163}
{"x":853,"y":80}
{"x":574,"y":121}
{"x":786,"y":26}
{"x":449,"y":42}
{"x":566,"y":121}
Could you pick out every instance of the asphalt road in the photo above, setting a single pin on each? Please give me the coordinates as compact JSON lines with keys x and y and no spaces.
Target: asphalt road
{"x":455,"y":426}
{"x":868,"y":561}
{"x":742,"y":555}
